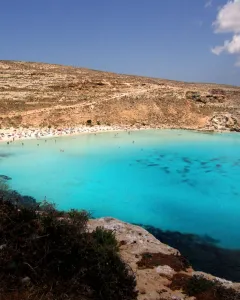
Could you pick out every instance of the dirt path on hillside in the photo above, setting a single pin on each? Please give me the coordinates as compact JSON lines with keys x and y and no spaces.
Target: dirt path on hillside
{"x":61,"y":107}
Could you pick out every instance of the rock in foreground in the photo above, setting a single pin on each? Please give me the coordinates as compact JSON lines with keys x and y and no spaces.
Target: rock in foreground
{"x":161,"y":271}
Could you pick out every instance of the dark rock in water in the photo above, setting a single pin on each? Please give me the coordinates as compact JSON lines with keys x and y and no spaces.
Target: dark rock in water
{"x":190,"y":182}
{"x":3,"y":155}
{"x":166,"y":170}
{"x":5,"y":177}
{"x":203,"y":252}
{"x":186,"y":160}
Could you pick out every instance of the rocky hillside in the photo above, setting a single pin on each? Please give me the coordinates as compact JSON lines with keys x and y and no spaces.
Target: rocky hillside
{"x":36,"y":94}
{"x":161,"y":272}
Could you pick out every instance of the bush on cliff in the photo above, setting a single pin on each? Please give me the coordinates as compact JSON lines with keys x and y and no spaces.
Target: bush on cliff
{"x":47,"y":254}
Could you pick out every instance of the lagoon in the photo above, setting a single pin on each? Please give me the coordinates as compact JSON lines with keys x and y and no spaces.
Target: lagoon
{"x":175,"y":180}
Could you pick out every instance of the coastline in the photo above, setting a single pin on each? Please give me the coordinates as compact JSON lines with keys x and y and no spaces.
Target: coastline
{"x":18,"y":134}
{"x":13,"y":134}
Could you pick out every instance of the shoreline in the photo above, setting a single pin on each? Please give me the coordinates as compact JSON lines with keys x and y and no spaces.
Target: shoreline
{"x":18,"y":134}
{"x":12,"y":134}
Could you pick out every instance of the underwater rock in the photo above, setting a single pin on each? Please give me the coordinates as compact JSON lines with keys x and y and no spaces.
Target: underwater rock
{"x":187,"y":160}
{"x":5,"y":177}
{"x":4,"y":155}
{"x":166,"y":170}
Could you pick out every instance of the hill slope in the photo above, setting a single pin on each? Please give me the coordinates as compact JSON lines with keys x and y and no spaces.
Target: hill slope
{"x":37,"y":94}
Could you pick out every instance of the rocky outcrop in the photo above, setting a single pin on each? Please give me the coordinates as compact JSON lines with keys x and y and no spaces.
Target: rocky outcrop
{"x":223,"y":121}
{"x":195,"y":96}
{"x":161,"y":272}
{"x":213,"y":96}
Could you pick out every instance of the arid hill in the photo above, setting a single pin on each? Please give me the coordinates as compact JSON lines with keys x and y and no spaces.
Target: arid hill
{"x":37,"y":94}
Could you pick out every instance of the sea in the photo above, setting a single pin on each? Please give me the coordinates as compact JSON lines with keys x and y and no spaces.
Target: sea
{"x":175,"y":180}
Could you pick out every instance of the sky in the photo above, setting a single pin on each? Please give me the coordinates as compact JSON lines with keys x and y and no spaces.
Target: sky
{"x":186,"y":40}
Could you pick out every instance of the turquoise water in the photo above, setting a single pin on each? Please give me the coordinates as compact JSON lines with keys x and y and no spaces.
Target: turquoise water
{"x":174,"y":180}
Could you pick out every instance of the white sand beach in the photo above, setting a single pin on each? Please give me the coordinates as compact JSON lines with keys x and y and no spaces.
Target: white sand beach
{"x":13,"y":134}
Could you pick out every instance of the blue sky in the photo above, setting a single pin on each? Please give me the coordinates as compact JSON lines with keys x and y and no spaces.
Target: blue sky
{"x":173,"y":39}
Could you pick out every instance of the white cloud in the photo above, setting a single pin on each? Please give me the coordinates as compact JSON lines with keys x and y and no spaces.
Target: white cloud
{"x":228,"y":20}
{"x":232,"y":47}
{"x":208,"y":3}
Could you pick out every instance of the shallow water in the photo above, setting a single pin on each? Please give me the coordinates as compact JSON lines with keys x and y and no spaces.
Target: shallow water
{"x":174,"y":180}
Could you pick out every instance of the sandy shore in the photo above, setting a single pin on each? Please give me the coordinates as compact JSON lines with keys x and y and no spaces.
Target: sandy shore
{"x":16,"y":134}
{"x":13,"y":134}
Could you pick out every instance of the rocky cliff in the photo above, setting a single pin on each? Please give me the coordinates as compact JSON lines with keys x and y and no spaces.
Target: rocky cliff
{"x":37,"y":94}
{"x":161,"y":271}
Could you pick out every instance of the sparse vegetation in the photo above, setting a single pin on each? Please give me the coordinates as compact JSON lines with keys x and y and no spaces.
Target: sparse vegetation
{"x":202,"y":288}
{"x":151,"y":260}
{"x":75,"y":95}
{"x":197,"y":285}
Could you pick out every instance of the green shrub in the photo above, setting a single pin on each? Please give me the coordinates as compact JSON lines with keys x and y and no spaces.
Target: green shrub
{"x":59,"y":259}
{"x":3,"y":185}
{"x":89,"y":122}
{"x":197,"y":285}
{"x":105,"y":238}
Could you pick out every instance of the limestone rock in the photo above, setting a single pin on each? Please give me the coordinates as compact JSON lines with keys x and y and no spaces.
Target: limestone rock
{"x":144,"y":254}
{"x":223,"y":122}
